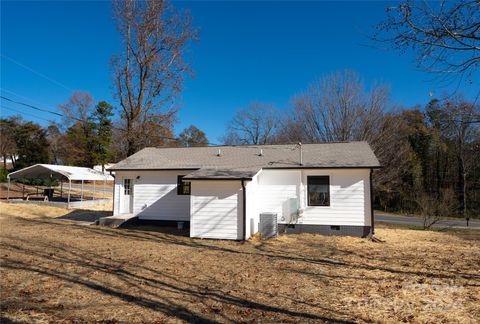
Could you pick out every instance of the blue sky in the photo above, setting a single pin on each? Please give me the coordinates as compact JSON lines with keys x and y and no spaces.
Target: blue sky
{"x":248,"y":51}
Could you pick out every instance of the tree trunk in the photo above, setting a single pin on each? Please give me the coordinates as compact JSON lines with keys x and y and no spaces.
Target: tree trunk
{"x":14,"y":162}
{"x":437,"y":175}
{"x":462,"y":175}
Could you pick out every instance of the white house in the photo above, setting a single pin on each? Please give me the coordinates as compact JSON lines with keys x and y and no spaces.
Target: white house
{"x":221,"y":191}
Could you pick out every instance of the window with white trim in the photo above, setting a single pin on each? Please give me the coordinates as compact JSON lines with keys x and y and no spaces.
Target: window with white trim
{"x":127,"y":186}
{"x":318,"y":190}
{"x":183,"y":187}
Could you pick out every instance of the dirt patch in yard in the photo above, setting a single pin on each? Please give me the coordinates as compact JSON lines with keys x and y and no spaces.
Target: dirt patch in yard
{"x":54,"y":269}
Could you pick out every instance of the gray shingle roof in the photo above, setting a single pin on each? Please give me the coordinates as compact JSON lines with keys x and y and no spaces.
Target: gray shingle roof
{"x":217,"y":174}
{"x":240,"y":161}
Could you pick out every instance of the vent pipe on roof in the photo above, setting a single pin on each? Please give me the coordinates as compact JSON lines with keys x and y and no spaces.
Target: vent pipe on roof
{"x":219,"y":152}
{"x":301,"y":153}
{"x":261,"y":152}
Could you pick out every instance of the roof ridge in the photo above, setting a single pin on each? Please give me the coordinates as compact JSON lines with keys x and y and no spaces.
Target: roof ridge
{"x":249,"y":145}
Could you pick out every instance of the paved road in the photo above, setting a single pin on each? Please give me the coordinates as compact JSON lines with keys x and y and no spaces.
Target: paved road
{"x":417,"y":221}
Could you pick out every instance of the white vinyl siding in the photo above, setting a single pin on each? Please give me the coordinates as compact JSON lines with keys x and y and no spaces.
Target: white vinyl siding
{"x":216,"y":209}
{"x":155,"y":195}
{"x":117,"y":192}
{"x":349,"y":196}
{"x":277,"y":189}
{"x":349,"y":199}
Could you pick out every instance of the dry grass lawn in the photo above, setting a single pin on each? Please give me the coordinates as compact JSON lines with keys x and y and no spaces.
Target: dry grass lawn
{"x":55,"y":268}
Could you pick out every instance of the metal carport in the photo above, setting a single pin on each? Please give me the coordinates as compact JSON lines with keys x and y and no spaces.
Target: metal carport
{"x":60,"y":173}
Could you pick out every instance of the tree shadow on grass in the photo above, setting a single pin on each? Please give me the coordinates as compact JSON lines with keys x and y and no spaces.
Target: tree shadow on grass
{"x":5,"y":320}
{"x":149,"y":288}
{"x":85,"y":215}
{"x":139,"y":234}
{"x":168,"y":229}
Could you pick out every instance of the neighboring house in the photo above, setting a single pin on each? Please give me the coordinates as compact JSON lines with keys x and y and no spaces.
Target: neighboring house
{"x":7,"y":162}
{"x":221,"y":191}
{"x":103,"y":168}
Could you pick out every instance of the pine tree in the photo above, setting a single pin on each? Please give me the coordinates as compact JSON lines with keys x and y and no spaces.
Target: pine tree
{"x":101,"y":118}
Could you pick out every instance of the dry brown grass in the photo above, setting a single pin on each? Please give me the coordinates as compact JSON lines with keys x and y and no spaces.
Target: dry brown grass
{"x":57,"y":270}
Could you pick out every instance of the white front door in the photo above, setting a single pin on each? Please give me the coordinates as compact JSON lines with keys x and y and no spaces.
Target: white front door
{"x":127,"y":196}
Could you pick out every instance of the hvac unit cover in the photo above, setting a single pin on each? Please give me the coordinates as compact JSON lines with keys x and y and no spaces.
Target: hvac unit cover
{"x":268,"y":225}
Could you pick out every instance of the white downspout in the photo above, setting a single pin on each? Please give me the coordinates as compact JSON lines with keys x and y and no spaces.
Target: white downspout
{"x":301,"y":196}
{"x":301,"y":153}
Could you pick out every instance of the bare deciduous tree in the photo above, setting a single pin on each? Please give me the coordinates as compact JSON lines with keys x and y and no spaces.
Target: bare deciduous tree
{"x":432,"y":210}
{"x":150,"y":70}
{"x":255,"y":124}
{"x":444,"y":35}
{"x":337,"y":108}
{"x":77,"y":144}
{"x":57,"y":144}
{"x":289,"y":131}
{"x":78,"y":107}
{"x":192,"y":136}
{"x":8,"y":146}
{"x":459,"y":120}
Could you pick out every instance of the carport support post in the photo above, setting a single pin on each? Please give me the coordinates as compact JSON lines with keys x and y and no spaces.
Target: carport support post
{"x":93,"y":190}
{"x":81,"y":193}
{"x":69,"y":189}
{"x":104,"y":187}
{"x":8,"y":189}
{"x":61,"y":189}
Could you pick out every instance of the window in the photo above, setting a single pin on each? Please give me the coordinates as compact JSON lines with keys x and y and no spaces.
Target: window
{"x":318,"y":191}
{"x":183,"y":187}
{"x":127,"y":186}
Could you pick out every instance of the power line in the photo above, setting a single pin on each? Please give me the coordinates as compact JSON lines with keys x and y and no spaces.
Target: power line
{"x":85,"y":121}
{"x":36,"y":108}
{"x":61,"y":115}
{"x":36,"y":116}
{"x":37,"y":73}
{"x":24,"y":113}
{"x":247,"y":146}
{"x":50,"y":111}
{"x":23,"y":97}
{"x":59,"y":84}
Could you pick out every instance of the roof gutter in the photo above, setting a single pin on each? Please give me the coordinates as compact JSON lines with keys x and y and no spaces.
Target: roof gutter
{"x":152,"y":169}
{"x":322,"y":167}
{"x":211,"y":178}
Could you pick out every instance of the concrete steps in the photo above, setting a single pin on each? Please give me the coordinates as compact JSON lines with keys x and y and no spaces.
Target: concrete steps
{"x":115,"y":221}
